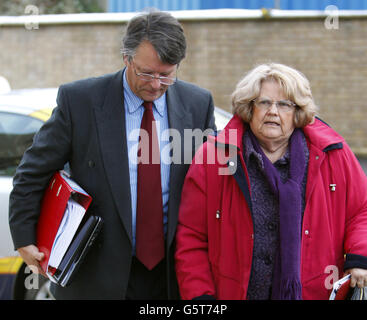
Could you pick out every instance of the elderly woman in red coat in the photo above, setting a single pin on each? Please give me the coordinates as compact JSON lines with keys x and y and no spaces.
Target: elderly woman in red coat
{"x":275,"y":206}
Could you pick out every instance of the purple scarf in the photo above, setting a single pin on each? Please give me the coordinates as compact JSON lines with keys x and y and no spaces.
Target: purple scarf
{"x":287,"y":279}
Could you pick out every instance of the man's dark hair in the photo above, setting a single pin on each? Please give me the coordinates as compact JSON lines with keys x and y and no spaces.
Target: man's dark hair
{"x":162,"y":30}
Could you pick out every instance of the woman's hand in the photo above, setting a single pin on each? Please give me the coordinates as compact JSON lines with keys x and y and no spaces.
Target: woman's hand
{"x":358,"y":277}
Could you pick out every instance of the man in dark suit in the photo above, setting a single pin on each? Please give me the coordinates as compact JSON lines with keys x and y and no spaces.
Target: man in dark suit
{"x":92,"y":129}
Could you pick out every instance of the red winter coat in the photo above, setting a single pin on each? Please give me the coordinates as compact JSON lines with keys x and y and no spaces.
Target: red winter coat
{"x":215,"y":231}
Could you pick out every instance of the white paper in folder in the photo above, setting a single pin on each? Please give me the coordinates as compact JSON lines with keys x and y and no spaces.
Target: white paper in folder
{"x":73,"y":216}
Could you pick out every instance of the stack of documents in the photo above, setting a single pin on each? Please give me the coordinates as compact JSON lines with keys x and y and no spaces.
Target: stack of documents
{"x":64,"y":231}
{"x":73,"y":215}
{"x":77,"y":250}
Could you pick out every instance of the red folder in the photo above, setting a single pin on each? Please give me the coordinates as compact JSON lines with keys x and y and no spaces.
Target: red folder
{"x":341,"y":289}
{"x":53,"y":206}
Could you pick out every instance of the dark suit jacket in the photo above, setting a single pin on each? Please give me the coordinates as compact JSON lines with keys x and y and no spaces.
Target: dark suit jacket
{"x":87,"y":130}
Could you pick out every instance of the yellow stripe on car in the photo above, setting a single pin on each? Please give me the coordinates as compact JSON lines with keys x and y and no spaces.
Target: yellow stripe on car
{"x":10,"y":265}
{"x":42,"y":114}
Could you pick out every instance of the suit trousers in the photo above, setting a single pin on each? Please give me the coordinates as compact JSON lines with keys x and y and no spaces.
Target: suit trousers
{"x":147,"y":284}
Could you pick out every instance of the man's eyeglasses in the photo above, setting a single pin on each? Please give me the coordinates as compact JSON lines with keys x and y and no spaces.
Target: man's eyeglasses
{"x":282,"y":105}
{"x":167,"y":81}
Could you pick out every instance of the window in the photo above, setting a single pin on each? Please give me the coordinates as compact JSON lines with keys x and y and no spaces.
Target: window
{"x":16,"y":135}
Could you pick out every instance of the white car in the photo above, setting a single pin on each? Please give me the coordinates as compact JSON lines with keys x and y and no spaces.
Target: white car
{"x":22,"y":113}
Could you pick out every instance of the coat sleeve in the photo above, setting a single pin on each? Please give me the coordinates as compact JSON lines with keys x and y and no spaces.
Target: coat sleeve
{"x":48,"y":153}
{"x":355,"y":244}
{"x":192,"y":262}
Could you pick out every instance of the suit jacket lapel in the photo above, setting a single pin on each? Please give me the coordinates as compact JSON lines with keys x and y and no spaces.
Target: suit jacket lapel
{"x":112,"y":135}
{"x":176,"y":118}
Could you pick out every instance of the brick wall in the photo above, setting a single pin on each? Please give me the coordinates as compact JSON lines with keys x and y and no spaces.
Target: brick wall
{"x":219,"y":53}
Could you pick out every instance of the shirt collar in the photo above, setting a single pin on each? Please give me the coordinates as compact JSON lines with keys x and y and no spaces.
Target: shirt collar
{"x":135,"y":102}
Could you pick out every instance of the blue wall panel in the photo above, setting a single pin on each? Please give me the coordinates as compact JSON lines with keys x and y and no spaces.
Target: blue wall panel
{"x":138,"y":5}
{"x":238,"y":4}
{"x":322,"y":4}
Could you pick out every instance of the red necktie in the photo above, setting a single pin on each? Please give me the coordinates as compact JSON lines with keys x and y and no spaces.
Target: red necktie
{"x":149,"y":213}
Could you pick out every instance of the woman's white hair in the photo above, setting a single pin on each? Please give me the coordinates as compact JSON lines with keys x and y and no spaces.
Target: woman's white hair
{"x":295,"y":86}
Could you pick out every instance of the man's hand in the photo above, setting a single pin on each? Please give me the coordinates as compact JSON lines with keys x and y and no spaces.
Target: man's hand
{"x":32,"y":257}
{"x":358,"y":277}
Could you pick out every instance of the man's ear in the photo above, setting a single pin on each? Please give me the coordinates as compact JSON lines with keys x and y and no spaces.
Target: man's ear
{"x":125,"y":59}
